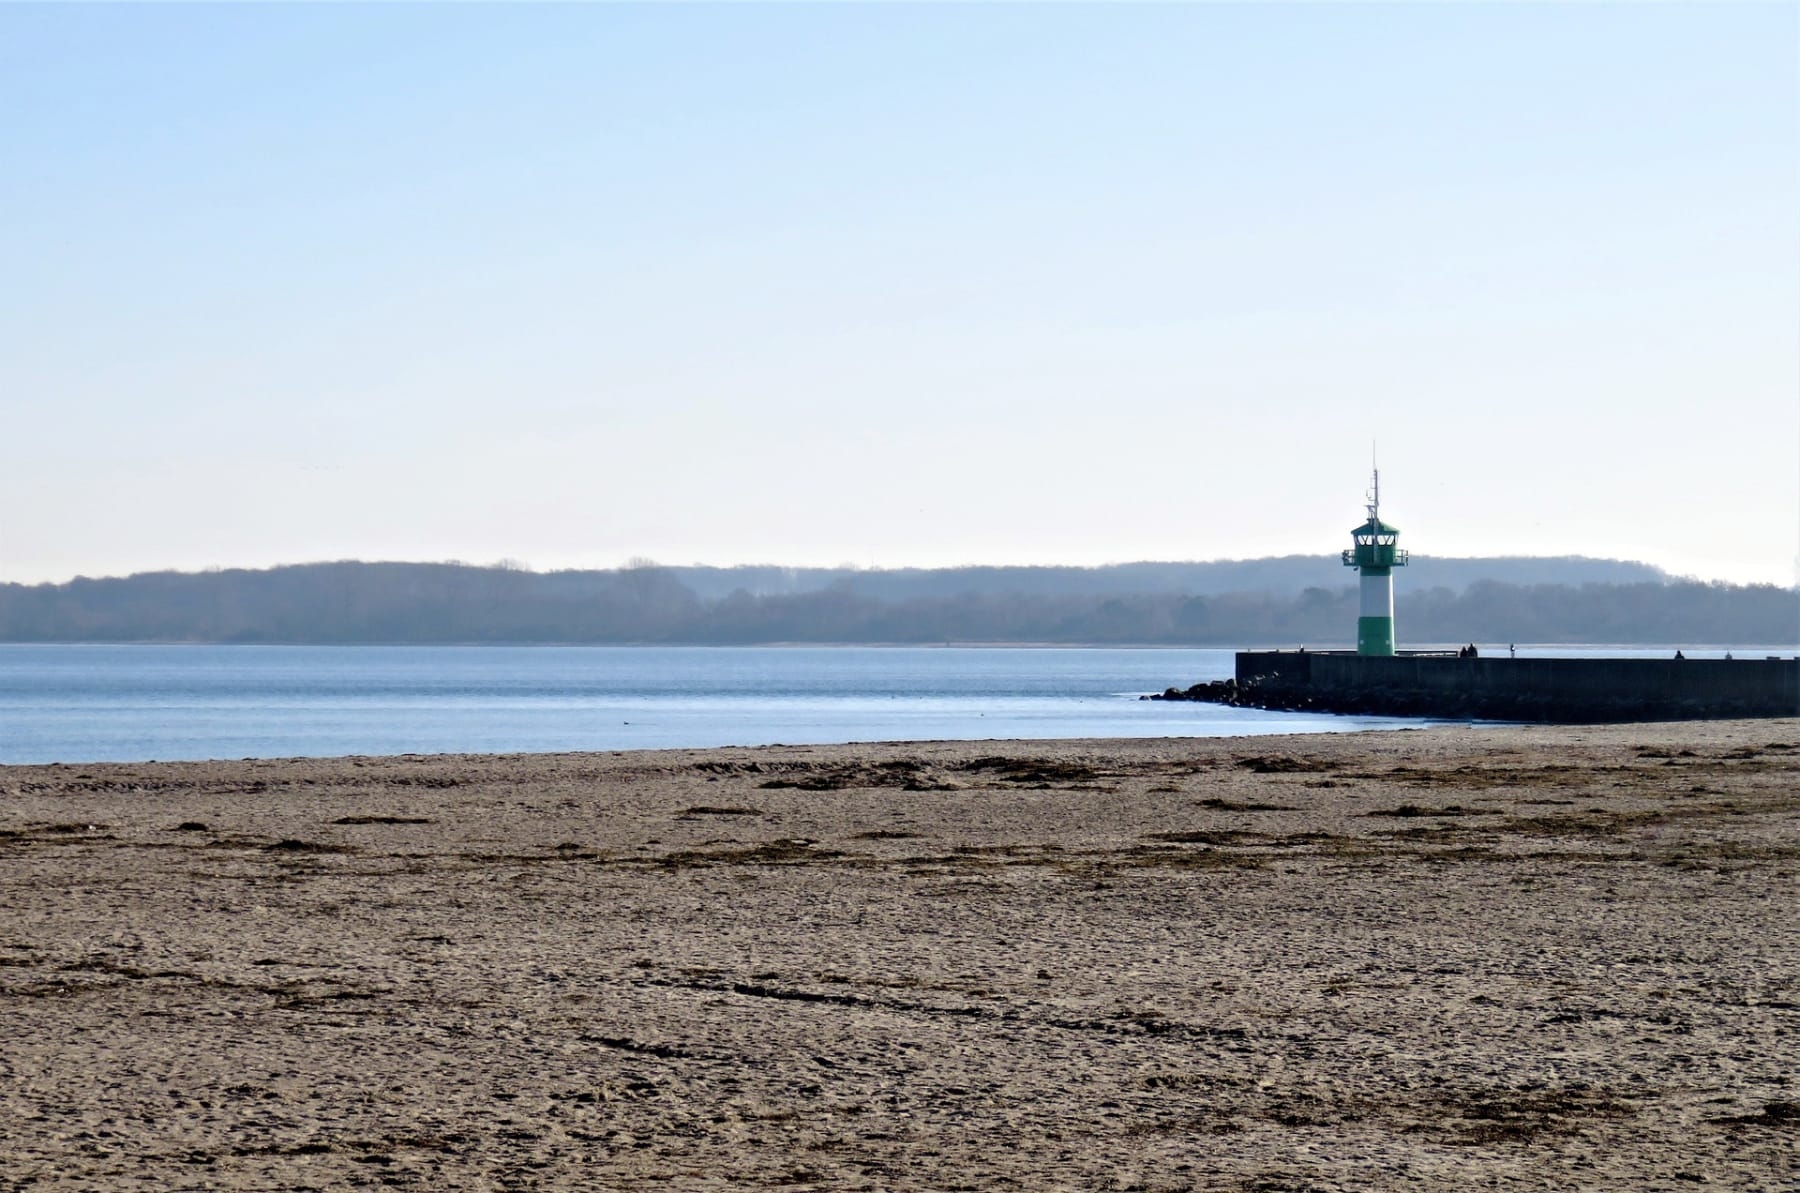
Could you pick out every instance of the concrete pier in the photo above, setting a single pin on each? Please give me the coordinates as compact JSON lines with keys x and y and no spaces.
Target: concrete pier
{"x":1507,"y":689}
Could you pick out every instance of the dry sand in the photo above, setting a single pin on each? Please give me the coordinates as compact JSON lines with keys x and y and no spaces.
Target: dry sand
{"x":1541,"y":958}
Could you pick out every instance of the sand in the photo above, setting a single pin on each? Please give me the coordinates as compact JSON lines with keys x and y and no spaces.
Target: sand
{"x":1484,"y":958}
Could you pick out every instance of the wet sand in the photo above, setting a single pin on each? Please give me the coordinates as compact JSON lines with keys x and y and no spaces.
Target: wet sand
{"x":1497,"y":958}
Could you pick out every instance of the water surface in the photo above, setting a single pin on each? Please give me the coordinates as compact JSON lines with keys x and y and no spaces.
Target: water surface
{"x":78,"y":703}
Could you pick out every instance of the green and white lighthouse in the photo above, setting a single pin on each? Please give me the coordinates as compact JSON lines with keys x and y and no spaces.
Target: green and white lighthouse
{"x":1376,"y":554}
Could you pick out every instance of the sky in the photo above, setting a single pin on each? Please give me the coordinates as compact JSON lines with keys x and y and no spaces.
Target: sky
{"x":897,"y":284}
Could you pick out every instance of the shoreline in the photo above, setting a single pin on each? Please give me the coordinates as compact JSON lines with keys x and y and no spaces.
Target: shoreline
{"x":1402,"y":725}
{"x":1535,"y":956}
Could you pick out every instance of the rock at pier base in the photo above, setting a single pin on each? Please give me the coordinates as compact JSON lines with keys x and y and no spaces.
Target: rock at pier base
{"x":1218,"y":691}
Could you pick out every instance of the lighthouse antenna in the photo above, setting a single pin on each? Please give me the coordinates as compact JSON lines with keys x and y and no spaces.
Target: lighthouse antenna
{"x":1374,"y":487}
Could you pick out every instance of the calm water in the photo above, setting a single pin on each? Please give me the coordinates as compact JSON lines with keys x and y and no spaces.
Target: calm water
{"x":130,"y":703}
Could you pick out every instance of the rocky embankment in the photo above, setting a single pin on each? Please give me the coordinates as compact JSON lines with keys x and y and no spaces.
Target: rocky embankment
{"x":1287,"y":698}
{"x":1218,"y":691}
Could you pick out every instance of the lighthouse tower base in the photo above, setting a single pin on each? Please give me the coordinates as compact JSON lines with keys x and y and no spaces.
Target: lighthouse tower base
{"x":1375,"y":628}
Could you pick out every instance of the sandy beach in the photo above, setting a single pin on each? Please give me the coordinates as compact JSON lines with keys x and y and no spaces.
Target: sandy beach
{"x":1461,"y":958}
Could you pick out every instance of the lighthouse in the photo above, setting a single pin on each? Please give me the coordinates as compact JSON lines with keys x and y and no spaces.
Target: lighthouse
{"x":1376,"y":554}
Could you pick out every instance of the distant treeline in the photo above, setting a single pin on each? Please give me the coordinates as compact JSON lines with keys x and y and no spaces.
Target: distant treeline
{"x":420,"y":603}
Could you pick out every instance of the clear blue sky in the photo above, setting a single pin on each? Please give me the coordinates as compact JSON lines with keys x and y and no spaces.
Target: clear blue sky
{"x":896,"y":284}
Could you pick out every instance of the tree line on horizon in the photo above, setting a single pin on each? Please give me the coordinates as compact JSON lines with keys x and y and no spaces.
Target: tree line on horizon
{"x":352,"y":602}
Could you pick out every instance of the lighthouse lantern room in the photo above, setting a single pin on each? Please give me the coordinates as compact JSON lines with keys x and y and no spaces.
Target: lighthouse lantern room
{"x":1376,"y":554}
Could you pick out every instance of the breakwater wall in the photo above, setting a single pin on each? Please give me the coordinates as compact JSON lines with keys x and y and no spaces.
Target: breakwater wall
{"x":1508,"y":689}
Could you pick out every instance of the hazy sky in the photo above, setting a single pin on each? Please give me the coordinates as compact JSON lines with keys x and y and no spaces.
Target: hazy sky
{"x":896,"y":284}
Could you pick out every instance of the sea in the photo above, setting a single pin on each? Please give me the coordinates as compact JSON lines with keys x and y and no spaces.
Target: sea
{"x":127,"y":703}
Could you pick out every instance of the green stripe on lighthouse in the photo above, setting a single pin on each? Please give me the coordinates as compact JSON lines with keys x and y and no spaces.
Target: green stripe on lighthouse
{"x":1375,"y":635}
